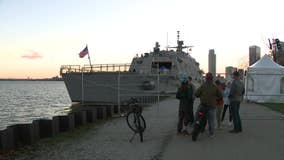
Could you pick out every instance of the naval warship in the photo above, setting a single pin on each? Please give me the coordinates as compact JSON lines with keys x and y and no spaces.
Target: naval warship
{"x":151,"y":74}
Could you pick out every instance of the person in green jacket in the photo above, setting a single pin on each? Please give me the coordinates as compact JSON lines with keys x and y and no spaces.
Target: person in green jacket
{"x":209,"y":94}
{"x":186,"y":98}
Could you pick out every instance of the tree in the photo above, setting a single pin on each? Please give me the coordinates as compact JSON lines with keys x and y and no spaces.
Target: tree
{"x":243,"y":62}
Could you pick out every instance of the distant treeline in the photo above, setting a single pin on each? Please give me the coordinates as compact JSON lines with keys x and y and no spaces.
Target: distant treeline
{"x":42,"y":79}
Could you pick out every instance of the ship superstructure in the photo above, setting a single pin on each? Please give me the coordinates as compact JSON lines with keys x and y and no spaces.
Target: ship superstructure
{"x":148,"y":75}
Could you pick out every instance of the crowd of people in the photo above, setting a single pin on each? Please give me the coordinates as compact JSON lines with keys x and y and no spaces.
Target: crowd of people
{"x":217,"y":97}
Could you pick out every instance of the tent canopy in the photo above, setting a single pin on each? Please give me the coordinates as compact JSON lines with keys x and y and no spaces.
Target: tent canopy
{"x":265,"y":81}
{"x":266,"y":62}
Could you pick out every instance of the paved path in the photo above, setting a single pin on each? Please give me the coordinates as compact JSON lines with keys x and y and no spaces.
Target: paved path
{"x":263,"y":138}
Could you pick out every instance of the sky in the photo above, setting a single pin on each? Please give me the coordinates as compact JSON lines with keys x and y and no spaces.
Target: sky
{"x":38,"y":36}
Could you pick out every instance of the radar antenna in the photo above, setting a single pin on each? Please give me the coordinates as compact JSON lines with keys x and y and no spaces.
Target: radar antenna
{"x":180,"y":45}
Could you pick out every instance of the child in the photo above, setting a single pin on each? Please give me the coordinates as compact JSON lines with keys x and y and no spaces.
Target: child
{"x":227,"y":103}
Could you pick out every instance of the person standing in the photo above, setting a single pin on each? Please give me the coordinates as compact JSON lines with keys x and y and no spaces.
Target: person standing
{"x":236,"y":95}
{"x":219,"y":104}
{"x":227,"y":102}
{"x":185,"y":96}
{"x":192,"y":89}
{"x":208,"y":94}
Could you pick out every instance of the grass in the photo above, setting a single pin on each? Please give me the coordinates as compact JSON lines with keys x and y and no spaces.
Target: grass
{"x":279,"y":107}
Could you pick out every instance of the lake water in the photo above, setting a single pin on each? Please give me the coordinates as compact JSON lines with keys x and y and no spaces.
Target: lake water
{"x":24,"y":101}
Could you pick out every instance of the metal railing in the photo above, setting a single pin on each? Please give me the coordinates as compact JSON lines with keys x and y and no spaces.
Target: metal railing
{"x":69,"y":69}
{"x":106,"y":68}
{"x":94,"y":68}
{"x":110,"y":68}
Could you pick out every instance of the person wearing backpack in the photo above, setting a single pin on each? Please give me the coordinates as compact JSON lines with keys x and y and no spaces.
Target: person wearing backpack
{"x":185,"y":113}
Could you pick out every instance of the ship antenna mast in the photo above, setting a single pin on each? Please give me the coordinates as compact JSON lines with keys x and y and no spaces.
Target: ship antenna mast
{"x":177,"y":36}
{"x":179,"y":43}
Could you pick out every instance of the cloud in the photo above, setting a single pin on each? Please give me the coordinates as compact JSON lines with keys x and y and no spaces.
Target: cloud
{"x":32,"y":55}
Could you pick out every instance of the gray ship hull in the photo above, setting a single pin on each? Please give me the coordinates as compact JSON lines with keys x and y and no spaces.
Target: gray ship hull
{"x":116,"y":87}
{"x":150,"y":74}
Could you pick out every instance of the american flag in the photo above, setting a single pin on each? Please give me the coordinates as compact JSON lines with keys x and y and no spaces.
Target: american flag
{"x":84,"y":52}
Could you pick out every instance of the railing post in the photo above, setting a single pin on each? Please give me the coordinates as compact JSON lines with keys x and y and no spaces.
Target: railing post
{"x":118,"y":93}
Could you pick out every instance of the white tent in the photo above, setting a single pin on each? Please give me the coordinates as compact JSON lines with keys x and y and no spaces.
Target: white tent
{"x":265,"y":81}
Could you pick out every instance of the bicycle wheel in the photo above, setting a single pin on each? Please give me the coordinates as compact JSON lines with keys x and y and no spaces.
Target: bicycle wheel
{"x":141,"y":123}
{"x":141,"y":136}
{"x":136,"y":122}
{"x":195,"y":132}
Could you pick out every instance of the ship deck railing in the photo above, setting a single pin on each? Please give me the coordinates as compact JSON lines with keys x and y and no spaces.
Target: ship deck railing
{"x":70,"y":69}
{"x":95,"y":68}
{"x":111,"y":68}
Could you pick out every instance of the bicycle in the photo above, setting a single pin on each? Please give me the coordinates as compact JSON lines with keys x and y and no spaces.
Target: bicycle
{"x":200,"y":122}
{"x":135,"y":120}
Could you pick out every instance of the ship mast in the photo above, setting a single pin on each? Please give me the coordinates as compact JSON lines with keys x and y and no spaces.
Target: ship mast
{"x":180,"y":45}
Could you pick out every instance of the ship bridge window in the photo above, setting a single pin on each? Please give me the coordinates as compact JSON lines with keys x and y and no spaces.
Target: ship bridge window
{"x":139,"y":61}
{"x":162,"y":65}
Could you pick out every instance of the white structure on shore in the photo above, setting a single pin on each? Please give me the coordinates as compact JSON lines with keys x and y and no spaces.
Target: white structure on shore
{"x":265,"y":81}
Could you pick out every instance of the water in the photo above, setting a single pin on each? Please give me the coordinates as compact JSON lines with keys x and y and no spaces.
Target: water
{"x":24,"y":101}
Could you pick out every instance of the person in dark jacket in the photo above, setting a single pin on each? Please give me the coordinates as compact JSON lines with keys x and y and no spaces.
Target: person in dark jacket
{"x":192,"y":88}
{"x":219,"y":104}
{"x":185,"y":114}
{"x":209,"y":94}
{"x":235,"y":96}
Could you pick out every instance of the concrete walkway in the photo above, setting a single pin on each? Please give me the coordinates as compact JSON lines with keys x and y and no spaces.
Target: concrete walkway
{"x":262,"y":138}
